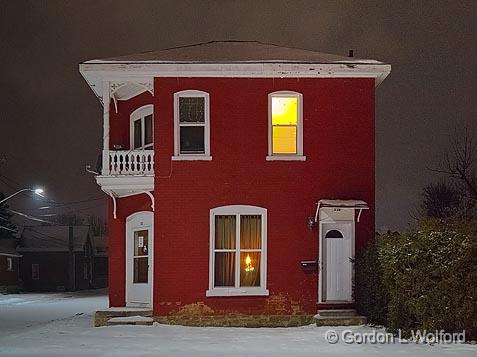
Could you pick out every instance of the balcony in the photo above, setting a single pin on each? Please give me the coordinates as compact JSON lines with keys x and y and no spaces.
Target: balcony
{"x":127,"y":172}
{"x":129,"y":162}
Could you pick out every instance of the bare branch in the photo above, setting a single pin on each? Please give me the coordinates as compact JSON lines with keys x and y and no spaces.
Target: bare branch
{"x":460,"y":161}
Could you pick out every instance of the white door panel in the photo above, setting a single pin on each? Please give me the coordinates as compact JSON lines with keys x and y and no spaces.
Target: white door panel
{"x":337,"y":254}
{"x":139,"y":259}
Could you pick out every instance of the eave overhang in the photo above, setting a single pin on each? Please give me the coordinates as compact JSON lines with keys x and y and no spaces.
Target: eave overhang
{"x":95,"y":72}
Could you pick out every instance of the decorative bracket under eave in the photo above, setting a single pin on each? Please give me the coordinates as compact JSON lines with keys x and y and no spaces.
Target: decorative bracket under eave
{"x":114,"y":198}
{"x":114,"y":203}
{"x":151,"y":196}
{"x":124,"y":90}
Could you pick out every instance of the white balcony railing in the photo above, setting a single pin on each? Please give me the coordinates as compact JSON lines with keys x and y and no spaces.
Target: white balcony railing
{"x":128,"y":162}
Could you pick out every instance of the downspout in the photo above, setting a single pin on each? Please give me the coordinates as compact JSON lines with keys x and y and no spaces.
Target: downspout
{"x":106,"y":102}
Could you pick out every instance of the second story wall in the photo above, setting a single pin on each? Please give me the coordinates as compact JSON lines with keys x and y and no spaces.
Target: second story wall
{"x":338,"y":131}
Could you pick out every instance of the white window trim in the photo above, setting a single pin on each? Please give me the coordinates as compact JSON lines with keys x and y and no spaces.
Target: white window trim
{"x":9,"y":264}
{"x":188,"y":157}
{"x":177,"y":155}
{"x":238,"y":210}
{"x":299,"y":130}
{"x":140,"y":113}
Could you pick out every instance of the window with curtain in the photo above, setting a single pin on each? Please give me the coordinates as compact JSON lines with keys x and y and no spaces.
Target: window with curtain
{"x":285,"y":121}
{"x":237,"y":256}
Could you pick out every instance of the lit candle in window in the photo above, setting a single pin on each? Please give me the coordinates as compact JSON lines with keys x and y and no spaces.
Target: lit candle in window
{"x":248,"y":264}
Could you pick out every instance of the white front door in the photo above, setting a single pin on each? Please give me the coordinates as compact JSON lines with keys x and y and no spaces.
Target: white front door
{"x":337,"y":246}
{"x":139,"y":259}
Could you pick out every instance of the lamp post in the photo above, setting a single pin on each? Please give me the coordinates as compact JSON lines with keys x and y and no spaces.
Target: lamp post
{"x":38,"y":191}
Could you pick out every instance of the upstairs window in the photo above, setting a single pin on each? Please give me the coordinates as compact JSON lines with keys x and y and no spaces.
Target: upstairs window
{"x":191,"y":125}
{"x":285,"y":126}
{"x":142,"y":128}
{"x":238,"y":244}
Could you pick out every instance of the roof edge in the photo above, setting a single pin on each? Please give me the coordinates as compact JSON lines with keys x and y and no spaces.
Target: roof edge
{"x":95,"y":73}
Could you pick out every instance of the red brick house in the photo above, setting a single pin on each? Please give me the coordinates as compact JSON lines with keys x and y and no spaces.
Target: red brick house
{"x":9,"y":266}
{"x":56,"y":258}
{"x":241,"y":176}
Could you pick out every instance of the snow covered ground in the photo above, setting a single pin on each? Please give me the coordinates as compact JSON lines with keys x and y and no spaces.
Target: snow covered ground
{"x":61,"y":325}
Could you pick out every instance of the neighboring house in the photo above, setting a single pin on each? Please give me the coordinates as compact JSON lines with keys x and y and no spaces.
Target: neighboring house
{"x":56,"y":258}
{"x":100,"y":261}
{"x":9,"y":266}
{"x":241,"y":176}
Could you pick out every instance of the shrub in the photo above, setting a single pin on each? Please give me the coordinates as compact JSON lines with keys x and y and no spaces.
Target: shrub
{"x":423,"y":280}
{"x":368,"y":290}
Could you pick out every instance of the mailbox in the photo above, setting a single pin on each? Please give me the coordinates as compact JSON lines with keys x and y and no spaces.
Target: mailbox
{"x":309,"y":265}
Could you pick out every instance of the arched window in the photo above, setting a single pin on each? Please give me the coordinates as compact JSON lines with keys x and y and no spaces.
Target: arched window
{"x":285,"y":126}
{"x":142,"y":133}
{"x":238,"y":246}
{"x":191,"y":125}
{"x":334,"y":234}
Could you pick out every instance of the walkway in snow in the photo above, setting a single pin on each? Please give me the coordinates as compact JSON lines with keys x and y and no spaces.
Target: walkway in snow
{"x":61,"y":325}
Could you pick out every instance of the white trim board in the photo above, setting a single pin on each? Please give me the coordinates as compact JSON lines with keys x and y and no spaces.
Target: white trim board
{"x":96,"y":73}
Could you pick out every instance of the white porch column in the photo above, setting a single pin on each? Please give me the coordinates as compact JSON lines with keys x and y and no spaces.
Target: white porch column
{"x":106,"y":102}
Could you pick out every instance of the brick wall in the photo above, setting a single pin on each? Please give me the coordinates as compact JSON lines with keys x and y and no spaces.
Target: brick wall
{"x":7,"y":277}
{"x":339,"y":146}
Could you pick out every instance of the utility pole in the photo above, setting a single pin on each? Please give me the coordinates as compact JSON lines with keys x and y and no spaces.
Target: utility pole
{"x":71,"y":260}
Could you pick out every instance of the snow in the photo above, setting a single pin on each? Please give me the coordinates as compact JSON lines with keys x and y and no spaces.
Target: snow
{"x":20,"y":312}
{"x":342,"y":203}
{"x":126,"y":309}
{"x":130,"y":319}
{"x":61,"y":325}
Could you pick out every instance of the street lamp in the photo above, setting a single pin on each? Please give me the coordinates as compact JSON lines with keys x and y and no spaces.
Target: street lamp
{"x":38,"y":191}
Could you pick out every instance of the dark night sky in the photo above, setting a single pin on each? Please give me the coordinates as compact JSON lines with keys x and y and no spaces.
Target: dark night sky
{"x":51,"y":123}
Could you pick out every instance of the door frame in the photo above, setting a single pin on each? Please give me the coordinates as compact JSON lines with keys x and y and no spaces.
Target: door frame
{"x":130,"y":227}
{"x":321,"y":253}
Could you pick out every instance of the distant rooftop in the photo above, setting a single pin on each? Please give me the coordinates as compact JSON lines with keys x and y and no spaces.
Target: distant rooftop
{"x":7,"y":247}
{"x":52,"y":238}
{"x":233,"y":52}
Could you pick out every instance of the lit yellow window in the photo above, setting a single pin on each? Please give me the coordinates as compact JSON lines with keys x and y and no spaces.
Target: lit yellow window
{"x":284,"y":125}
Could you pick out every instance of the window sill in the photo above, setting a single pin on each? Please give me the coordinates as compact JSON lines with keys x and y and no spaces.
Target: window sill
{"x":236,"y":292}
{"x":192,"y":158}
{"x":286,"y":158}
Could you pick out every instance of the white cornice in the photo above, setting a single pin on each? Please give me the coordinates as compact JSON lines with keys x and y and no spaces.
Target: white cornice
{"x":96,"y":73}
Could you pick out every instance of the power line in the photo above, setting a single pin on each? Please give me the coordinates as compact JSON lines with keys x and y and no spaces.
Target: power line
{"x":29,"y":217}
{"x":9,"y":229}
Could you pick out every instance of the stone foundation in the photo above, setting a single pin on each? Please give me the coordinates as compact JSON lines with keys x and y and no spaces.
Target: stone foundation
{"x":236,"y":320}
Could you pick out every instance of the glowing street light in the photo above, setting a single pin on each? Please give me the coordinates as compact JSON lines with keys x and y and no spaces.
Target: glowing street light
{"x":39,"y":191}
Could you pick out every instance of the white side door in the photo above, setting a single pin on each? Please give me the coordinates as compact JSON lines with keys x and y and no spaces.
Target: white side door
{"x":139,"y":259}
{"x":337,"y":253}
